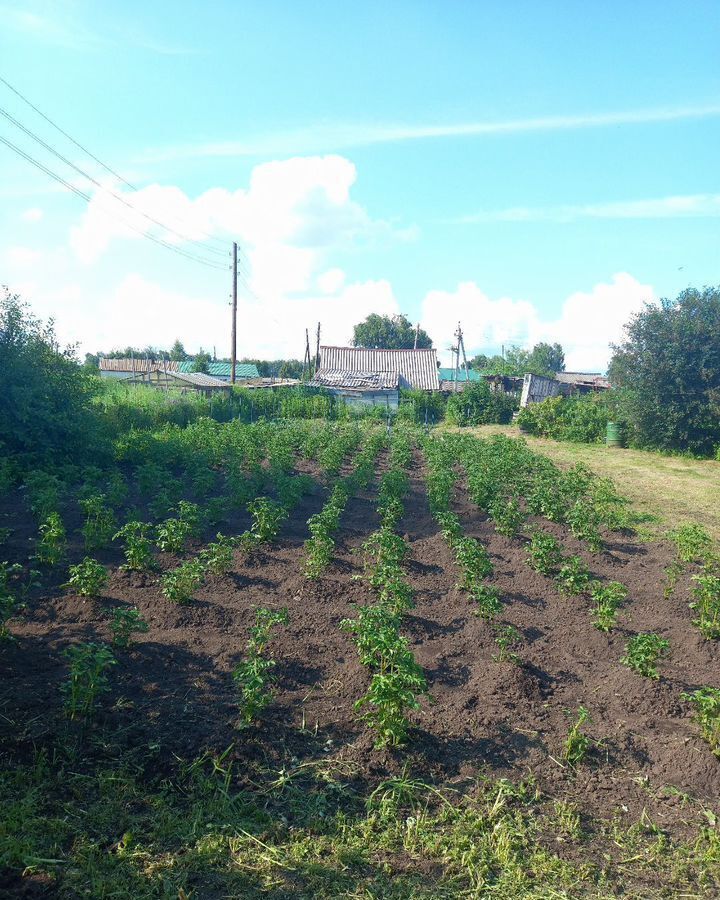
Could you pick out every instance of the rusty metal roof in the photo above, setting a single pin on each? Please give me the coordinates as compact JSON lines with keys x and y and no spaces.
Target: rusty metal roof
{"x":594,"y":379}
{"x":136,"y":365}
{"x":414,"y":368}
{"x":341,"y":378}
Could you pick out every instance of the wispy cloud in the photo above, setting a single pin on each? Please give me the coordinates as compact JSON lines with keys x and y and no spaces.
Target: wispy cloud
{"x":321,"y":137}
{"x":689,"y":206}
{"x":73,"y":34}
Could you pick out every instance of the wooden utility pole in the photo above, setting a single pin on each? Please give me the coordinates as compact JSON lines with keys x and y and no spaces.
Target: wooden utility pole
{"x":317,"y":349}
{"x":307,"y":359}
{"x":233,"y":338}
{"x":461,"y":346}
{"x":417,"y":334}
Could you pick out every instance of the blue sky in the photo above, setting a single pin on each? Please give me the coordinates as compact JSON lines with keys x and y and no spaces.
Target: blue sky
{"x":536,"y":170}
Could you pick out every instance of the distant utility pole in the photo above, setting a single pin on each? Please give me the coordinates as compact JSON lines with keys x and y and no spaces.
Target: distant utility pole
{"x":417,"y":334}
{"x":233,"y":338}
{"x":307,"y":359}
{"x":317,"y":349}
{"x":461,"y":346}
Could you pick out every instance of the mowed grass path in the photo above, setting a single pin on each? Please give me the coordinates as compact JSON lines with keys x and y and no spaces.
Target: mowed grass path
{"x":671,"y":489}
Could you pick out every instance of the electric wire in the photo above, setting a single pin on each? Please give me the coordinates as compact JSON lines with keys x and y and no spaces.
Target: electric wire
{"x":87,"y":198}
{"x":83,"y":148}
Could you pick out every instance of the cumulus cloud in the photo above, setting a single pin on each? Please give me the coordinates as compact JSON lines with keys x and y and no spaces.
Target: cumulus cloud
{"x":22,"y":257}
{"x":587,"y":324}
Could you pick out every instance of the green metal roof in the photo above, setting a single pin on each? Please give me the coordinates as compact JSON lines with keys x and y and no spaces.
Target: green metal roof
{"x":449,"y":374}
{"x":222,"y":369}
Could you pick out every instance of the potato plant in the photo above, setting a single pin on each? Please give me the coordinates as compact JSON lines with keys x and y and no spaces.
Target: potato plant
{"x":8,"y":601}
{"x":172,"y":535}
{"x":126,"y":621}
{"x":643,"y":652}
{"x":607,"y":599}
{"x":544,"y":552}
{"x":100,"y":524}
{"x":180,"y":584}
{"x":218,"y":556}
{"x":573,"y":576}
{"x":253,"y":675}
{"x":138,"y":546}
{"x":88,"y":678}
{"x":87,"y":578}
{"x":507,"y":637}
{"x":706,"y":603}
{"x":706,"y":703}
{"x":52,"y":544}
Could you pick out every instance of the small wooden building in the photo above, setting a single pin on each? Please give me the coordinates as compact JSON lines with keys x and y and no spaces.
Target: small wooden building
{"x":182,"y":382}
{"x":374,"y":377}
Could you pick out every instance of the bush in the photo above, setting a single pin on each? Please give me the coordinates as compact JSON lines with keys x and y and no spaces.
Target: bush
{"x":580,"y":419}
{"x":47,"y":417}
{"x":478,"y":405}
{"x":421,"y":407}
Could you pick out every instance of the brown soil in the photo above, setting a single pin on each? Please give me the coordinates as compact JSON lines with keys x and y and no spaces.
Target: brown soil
{"x":173,"y":693}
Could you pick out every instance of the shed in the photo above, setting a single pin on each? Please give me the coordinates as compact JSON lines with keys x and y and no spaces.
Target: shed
{"x":222,"y":370}
{"x":374,"y":377}
{"x":184,"y":382}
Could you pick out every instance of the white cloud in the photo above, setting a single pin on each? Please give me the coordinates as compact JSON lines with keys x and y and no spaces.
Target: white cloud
{"x":319,"y":138}
{"x":22,"y":257}
{"x":331,"y":281}
{"x":674,"y":207}
{"x":588,"y":322}
{"x":34,"y":214}
{"x":290,"y":216}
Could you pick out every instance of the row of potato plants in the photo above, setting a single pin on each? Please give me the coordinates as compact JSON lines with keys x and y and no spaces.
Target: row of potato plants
{"x":323,"y":526}
{"x":397,"y":680}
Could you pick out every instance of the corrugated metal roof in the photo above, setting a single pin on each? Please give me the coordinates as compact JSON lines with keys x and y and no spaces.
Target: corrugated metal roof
{"x":449,"y":374}
{"x":377,"y":381}
{"x":222,"y":369}
{"x":416,"y":368}
{"x":136,"y":365}
{"x":595,"y":379}
{"x":196,"y":379}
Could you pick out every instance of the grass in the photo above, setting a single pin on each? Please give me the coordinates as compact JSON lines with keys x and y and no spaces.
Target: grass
{"x":205,"y":830}
{"x":667,"y":490}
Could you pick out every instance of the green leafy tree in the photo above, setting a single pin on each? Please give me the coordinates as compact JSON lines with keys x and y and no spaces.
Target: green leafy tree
{"x":46,"y":410}
{"x":668,"y":373}
{"x":201,"y":363}
{"x":178,"y":353}
{"x":389,"y":333}
{"x":546,"y":359}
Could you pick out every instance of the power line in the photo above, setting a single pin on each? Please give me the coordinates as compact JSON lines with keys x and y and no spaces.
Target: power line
{"x":98,"y":184}
{"x":87,"y":198}
{"x":81,"y":147}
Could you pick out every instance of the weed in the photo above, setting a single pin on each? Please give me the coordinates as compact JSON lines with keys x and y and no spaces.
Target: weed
{"x":180,"y":584}
{"x":506,"y":637}
{"x":126,"y":621}
{"x":577,"y":743}
{"x":87,"y":578}
{"x":89,"y":665}
{"x":642,"y":653}
{"x":252,"y":676}
{"x":138,"y":547}
{"x":707,"y":714}
{"x":52,"y":543}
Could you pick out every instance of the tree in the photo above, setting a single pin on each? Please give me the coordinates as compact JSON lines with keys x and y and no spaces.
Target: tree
{"x":178,"y":354}
{"x":45,"y":401}
{"x":668,"y":373}
{"x":546,"y":359}
{"x":201,"y":363}
{"x":389,"y":333}
{"x":479,"y":362}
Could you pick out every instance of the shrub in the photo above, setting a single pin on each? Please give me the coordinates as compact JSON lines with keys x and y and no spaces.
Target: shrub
{"x":580,"y":419}
{"x":478,"y":405}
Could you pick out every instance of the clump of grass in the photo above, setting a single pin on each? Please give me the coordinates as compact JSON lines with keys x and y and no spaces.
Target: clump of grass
{"x":643,"y":652}
{"x":577,"y":743}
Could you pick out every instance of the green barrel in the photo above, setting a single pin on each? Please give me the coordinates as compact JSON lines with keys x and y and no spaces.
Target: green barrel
{"x":613,"y":435}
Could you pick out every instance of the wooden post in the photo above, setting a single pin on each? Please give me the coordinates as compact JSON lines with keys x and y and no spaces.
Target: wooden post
{"x":317,"y":349}
{"x":233,"y":338}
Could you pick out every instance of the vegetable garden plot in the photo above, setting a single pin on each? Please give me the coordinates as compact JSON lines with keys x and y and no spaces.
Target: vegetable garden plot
{"x":505,"y":685}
